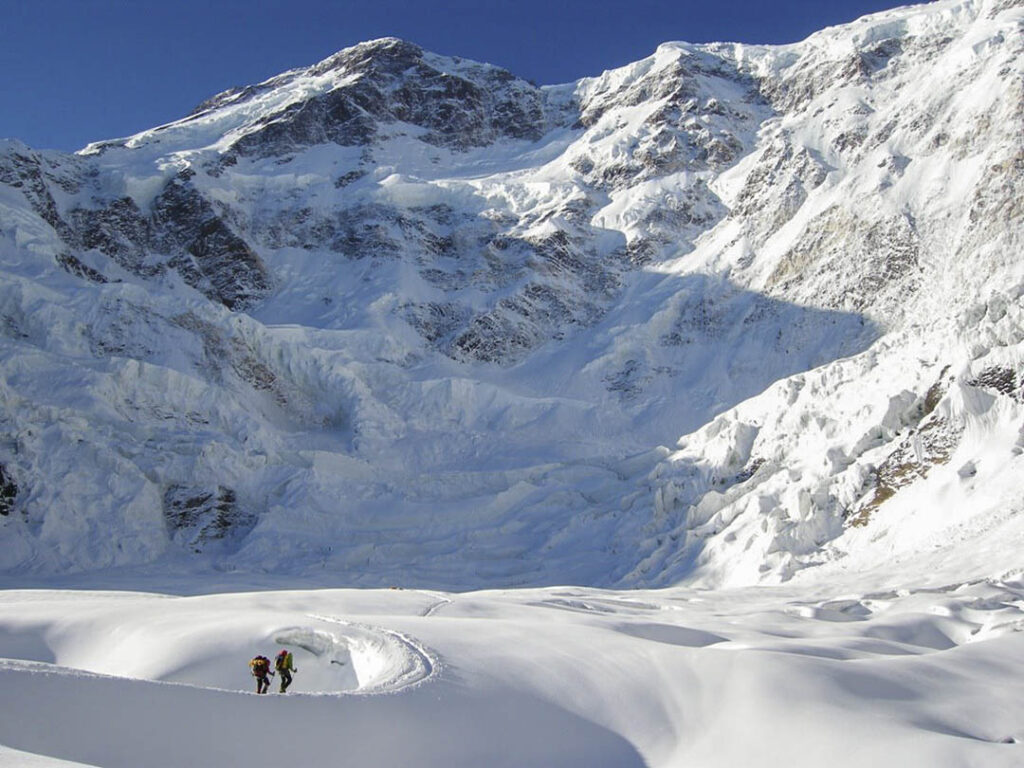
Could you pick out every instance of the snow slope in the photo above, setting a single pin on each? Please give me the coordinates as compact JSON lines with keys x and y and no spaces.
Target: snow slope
{"x":559,"y":676}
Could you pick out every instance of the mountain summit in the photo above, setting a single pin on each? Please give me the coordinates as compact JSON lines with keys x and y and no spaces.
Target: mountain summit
{"x":399,"y":317}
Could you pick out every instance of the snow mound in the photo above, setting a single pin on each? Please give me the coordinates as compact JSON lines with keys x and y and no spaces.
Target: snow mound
{"x":353,"y":658}
{"x":374,"y":659}
{"x":173,"y":643}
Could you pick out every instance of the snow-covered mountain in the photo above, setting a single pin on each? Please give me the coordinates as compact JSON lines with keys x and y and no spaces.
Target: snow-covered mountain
{"x":404,"y":318}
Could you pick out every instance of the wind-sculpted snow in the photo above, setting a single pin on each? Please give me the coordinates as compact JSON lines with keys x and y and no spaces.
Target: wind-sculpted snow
{"x":168,"y":642}
{"x":398,"y":317}
{"x":382,"y":660}
{"x":928,"y":675}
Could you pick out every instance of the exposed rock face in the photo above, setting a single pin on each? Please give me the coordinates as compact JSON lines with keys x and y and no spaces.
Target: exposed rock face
{"x":197,"y":518}
{"x":181,"y":232}
{"x":207,"y":254}
{"x":778,"y":186}
{"x":422,"y":283}
{"x":392,"y":81}
{"x":8,"y":492}
{"x":25,"y":171}
{"x":685,"y":128}
{"x":1003,"y":380}
{"x":884,"y":272}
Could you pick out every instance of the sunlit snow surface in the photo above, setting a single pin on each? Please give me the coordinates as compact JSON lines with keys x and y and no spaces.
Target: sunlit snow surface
{"x":554,"y":677}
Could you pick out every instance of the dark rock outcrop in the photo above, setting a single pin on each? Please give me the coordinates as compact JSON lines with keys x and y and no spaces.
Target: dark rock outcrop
{"x":8,"y":491}
{"x":459,"y":105}
{"x":207,"y":253}
{"x":199,"y":517}
{"x":28,"y":173}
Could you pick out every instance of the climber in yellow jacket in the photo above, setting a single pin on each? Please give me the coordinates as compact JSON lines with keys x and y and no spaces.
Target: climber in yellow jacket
{"x":260,"y":666}
{"x":283,"y":665}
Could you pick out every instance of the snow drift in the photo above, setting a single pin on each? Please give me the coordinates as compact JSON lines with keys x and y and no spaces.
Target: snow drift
{"x":925,"y":676}
{"x":398,"y":318}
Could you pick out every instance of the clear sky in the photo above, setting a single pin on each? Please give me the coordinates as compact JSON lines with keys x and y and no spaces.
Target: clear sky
{"x":75,"y":71}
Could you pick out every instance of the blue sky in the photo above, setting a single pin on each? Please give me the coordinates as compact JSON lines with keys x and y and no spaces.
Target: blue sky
{"x":74,"y":71}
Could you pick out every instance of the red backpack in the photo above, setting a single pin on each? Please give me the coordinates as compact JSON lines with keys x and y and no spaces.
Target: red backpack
{"x":260,"y":666}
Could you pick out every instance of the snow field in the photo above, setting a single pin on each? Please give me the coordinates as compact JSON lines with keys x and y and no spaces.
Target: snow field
{"x":560,"y":676}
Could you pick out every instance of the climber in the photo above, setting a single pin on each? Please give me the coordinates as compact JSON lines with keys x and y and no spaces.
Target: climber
{"x":283,"y":664}
{"x":260,"y":666}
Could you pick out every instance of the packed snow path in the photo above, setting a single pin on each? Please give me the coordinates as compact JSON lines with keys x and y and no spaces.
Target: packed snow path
{"x":927,"y":676}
